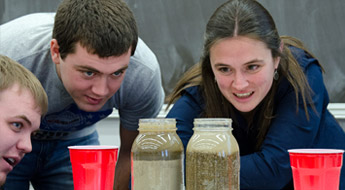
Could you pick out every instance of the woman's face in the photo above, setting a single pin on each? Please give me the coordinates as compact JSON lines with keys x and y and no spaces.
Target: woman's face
{"x":244,"y":70}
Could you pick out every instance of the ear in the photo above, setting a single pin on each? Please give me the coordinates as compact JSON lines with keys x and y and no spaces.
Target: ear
{"x":276,"y":62}
{"x":54,"y":51}
{"x":281,"y":48}
{"x":277,"y":59}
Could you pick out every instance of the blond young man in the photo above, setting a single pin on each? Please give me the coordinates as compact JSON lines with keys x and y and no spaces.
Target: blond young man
{"x":22,"y":103}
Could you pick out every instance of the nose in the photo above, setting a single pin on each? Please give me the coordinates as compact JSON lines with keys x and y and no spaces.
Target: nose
{"x":240,"y":81}
{"x":100,"y":87}
{"x":24,"y":144}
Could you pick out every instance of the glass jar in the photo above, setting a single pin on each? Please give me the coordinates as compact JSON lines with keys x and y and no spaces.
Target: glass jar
{"x":157,"y":156}
{"x":212,"y":156}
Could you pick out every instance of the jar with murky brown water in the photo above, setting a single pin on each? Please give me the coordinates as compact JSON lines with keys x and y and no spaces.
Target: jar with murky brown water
{"x":157,"y":156}
{"x":212,"y":156}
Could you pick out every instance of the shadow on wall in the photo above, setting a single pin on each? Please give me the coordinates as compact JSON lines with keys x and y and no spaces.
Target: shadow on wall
{"x":2,"y":10}
{"x":11,"y":9}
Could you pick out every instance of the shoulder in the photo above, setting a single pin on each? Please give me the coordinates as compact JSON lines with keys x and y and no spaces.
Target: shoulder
{"x":144,"y":57}
{"x":143,"y":66}
{"x":302,"y":57}
{"x":193,"y":90}
{"x":195,"y":94}
{"x":143,"y":69}
{"x":30,"y":21}
{"x":189,"y":106}
{"x":142,"y":80}
{"x":27,"y":35}
{"x":312,"y":71}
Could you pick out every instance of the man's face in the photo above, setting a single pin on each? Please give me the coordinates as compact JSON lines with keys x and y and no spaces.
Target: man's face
{"x":19,"y":118}
{"x":89,"y":79}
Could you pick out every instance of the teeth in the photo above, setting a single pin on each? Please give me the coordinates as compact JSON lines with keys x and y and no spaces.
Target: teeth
{"x":243,"y":95}
{"x":10,"y":160}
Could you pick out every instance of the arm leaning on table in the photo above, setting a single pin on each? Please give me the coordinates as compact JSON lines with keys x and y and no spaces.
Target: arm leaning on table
{"x":141,"y":97}
{"x":122,"y":174}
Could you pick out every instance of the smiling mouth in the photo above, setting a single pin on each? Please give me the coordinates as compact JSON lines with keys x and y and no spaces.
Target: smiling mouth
{"x":10,"y":161}
{"x":94,"y":101}
{"x":243,"y":95}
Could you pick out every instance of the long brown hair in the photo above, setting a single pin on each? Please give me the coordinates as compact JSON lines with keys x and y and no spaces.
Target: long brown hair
{"x":250,"y":19}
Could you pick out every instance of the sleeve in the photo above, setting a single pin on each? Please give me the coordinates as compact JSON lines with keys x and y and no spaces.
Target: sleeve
{"x":185,"y":109}
{"x":141,"y":94}
{"x":148,"y":105}
{"x":270,"y":167}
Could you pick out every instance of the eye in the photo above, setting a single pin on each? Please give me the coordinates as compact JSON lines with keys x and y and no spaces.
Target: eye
{"x":118,"y":73}
{"x":89,"y":73}
{"x":253,"y":67}
{"x":17,"y":125}
{"x":224,"y":69}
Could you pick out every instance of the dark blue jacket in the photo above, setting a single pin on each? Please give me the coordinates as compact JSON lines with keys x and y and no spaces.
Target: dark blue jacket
{"x":270,"y":167}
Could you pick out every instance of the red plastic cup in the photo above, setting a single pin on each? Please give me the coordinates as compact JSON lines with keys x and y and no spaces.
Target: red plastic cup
{"x":93,"y":166}
{"x":316,"y":169}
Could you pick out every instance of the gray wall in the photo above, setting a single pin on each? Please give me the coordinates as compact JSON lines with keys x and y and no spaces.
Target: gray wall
{"x":174,"y":31}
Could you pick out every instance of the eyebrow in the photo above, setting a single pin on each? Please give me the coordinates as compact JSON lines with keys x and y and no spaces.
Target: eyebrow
{"x":249,"y":62}
{"x":96,"y":71}
{"x":25,"y":118}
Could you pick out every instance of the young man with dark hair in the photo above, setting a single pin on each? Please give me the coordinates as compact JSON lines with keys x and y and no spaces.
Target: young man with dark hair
{"x":90,"y":60}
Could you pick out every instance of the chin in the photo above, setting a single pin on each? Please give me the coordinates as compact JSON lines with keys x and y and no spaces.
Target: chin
{"x":244,"y":109}
{"x":90,"y":108}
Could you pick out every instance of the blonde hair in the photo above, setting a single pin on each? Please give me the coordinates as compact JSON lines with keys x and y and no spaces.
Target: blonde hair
{"x":12,"y":73}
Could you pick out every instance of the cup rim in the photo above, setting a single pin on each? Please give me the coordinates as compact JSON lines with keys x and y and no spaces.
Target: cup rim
{"x":92,"y":147}
{"x":315,"y":151}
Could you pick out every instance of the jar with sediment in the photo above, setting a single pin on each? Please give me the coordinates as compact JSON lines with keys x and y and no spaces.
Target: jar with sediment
{"x":212,"y":156}
{"x":157,"y":156}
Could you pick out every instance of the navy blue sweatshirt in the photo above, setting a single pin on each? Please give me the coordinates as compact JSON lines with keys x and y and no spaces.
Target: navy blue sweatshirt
{"x":270,"y":168}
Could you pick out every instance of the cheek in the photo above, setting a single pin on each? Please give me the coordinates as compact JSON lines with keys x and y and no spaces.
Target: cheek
{"x":264,"y":83}
{"x":115,"y":85}
{"x":76,"y":82}
{"x":72,"y":78}
{"x":223,"y":82}
{"x":224,"y":86}
{"x":7,"y":142}
{"x":75,"y":85}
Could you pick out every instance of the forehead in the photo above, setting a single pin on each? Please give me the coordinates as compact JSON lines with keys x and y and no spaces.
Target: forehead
{"x":238,"y":42}
{"x":16,"y":101}
{"x":82,"y":58}
{"x":238,"y":48}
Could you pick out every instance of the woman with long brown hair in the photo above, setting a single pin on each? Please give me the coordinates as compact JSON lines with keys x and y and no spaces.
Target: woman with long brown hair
{"x":270,"y":85}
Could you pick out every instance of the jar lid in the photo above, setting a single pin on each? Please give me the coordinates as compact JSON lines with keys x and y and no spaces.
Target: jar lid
{"x":212,"y":123}
{"x":154,"y":124}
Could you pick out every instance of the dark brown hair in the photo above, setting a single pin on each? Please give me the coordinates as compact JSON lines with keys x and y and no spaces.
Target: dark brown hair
{"x":104,"y":27}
